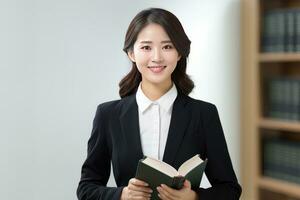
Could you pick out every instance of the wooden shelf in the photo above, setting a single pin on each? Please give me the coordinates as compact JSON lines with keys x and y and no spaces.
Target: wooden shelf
{"x":291,"y":189}
{"x":279,"y":125}
{"x":279,"y":57}
{"x":256,"y":69}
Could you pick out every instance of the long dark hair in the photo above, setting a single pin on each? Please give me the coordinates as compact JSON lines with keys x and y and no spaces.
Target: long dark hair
{"x":129,"y":84}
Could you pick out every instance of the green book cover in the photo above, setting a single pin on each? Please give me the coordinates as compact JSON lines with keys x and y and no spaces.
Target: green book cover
{"x":156,"y":172}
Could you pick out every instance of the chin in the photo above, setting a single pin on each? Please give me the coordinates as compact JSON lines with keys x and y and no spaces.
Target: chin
{"x":157,"y":82}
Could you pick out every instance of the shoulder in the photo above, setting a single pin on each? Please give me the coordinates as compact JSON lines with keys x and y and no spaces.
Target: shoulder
{"x":200,"y":105}
{"x":114,"y":105}
{"x":206,"y":113}
{"x":108,"y":105}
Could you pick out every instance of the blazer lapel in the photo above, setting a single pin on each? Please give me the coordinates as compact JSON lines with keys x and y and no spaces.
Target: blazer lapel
{"x":129,"y":120}
{"x":179,"y":122}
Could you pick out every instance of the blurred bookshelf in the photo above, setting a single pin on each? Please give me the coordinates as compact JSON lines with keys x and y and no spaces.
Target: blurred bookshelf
{"x":279,"y":57}
{"x":270,"y":99}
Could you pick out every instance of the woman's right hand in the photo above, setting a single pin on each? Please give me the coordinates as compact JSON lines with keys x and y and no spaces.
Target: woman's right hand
{"x":136,"y":189}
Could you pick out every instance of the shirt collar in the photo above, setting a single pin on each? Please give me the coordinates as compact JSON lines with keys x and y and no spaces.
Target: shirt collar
{"x":166,"y":101}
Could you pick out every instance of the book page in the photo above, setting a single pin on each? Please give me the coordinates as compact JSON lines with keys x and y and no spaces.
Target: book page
{"x":161,"y":166}
{"x":189,"y":165}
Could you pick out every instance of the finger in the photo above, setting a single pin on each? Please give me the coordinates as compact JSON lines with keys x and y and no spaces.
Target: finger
{"x":187,"y":184}
{"x":162,"y":196}
{"x":140,"y":198}
{"x":138,"y":194}
{"x":170,"y":192}
{"x":133,"y":195}
{"x":139,"y":188}
{"x":138,"y":182}
{"x":166,"y":194}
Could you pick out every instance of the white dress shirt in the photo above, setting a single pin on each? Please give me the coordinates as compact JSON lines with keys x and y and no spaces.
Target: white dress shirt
{"x":154,"y":121}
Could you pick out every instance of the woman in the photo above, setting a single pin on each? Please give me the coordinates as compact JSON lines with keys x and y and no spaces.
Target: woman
{"x":156,"y":117}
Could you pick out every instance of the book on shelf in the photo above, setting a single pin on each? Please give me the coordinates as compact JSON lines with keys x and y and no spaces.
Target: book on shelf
{"x":156,"y":172}
{"x":281,"y":30}
{"x":283,"y":98}
{"x":281,"y":159}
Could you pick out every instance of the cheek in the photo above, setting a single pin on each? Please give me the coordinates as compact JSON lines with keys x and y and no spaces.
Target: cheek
{"x":172,"y":69}
{"x":173,"y":62}
{"x":138,"y":66}
{"x":141,"y":65}
{"x":141,"y":59}
{"x":172,"y":57}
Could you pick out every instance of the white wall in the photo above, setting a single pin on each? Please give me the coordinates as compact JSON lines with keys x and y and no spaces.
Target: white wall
{"x":59,"y":59}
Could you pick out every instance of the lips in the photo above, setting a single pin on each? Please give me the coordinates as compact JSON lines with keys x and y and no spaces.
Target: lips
{"x":157,"y":69}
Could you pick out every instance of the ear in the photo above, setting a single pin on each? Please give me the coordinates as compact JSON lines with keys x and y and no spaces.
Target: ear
{"x":131,"y":56}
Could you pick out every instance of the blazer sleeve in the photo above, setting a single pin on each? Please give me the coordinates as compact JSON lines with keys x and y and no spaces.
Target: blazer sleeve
{"x":219,"y":169}
{"x":95,"y":171}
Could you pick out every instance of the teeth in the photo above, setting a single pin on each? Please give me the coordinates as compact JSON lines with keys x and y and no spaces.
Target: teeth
{"x":157,"y":67}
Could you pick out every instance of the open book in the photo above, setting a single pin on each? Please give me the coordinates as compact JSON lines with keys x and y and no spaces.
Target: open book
{"x":155,"y":172}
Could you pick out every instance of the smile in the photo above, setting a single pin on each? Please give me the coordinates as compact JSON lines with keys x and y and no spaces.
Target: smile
{"x":157,"y":69}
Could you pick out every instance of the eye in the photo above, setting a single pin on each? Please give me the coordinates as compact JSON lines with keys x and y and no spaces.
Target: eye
{"x":168,"y":47}
{"x":146,"y":47}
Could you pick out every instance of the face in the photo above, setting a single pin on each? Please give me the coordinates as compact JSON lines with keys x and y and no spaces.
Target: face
{"x":155,"y":55}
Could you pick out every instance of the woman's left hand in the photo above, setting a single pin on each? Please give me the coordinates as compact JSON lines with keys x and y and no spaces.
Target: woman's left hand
{"x":185,"y":193}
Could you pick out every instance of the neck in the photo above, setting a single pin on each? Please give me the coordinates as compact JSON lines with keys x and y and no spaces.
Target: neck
{"x":155,"y":91}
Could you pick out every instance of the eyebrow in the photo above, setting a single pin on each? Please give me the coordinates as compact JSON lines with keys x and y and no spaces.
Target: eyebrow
{"x":149,"y":42}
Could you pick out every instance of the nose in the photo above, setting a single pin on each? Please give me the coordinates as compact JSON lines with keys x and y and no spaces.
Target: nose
{"x":157,"y":56}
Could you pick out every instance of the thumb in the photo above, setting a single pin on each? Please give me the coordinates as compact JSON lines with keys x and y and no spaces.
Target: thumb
{"x":187,"y":184}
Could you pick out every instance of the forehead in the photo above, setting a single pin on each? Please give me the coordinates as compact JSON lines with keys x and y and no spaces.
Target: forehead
{"x":152,"y":32}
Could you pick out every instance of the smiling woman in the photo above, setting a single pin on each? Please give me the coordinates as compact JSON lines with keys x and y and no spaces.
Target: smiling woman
{"x":156,"y":34}
{"x":155,"y":117}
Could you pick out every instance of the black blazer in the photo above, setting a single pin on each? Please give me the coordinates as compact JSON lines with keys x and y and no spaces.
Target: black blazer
{"x":195,"y":128}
